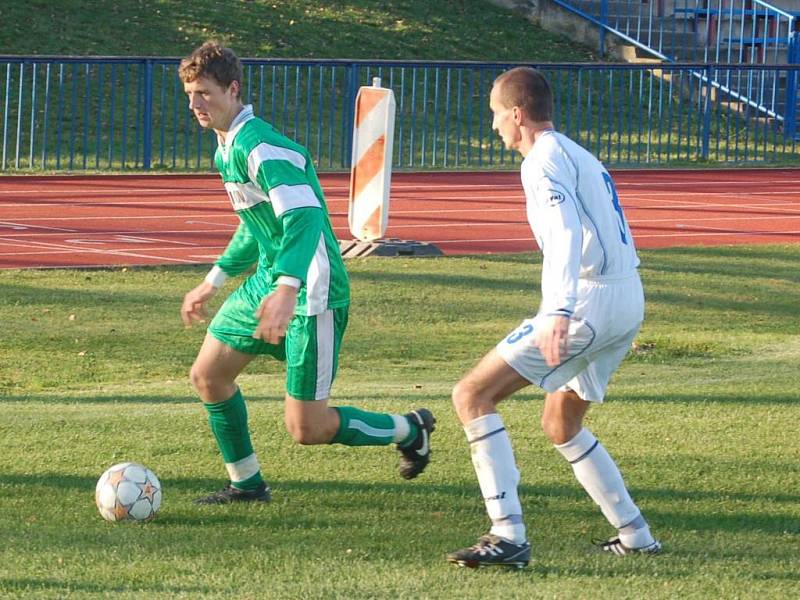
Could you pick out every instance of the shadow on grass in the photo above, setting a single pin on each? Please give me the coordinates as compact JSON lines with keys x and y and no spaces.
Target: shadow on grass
{"x":396,"y":497}
{"x":46,"y":584}
{"x":700,"y":397}
{"x":771,"y":315}
{"x":123,"y":399}
{"x":35,"y":295}
{"x":411,"y":280}
{"x":756,"y":262}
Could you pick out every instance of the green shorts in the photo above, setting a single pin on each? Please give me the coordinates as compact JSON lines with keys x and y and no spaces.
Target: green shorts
{"x":310,"y":348}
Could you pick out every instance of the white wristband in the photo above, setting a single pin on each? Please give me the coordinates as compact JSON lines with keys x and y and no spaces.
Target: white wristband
{"x":216,"y":276}
{"x":290,"y":281}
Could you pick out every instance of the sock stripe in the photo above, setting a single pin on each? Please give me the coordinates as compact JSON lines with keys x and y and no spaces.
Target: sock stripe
{"x":508,"y":520}
{"x":585,"y":454}
{"x":369,"y":430}
{"x":243,"y":469}
{"x":488,"y":435}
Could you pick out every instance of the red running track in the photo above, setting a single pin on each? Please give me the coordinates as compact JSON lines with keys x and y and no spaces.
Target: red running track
{"x":80,"y":221}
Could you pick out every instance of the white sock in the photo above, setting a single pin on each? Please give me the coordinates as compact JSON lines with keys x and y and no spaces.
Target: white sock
{"x":498,"y":476}
{"x":401,"y":428}
{"x":600,"y":477}
{"x":636,"y":534}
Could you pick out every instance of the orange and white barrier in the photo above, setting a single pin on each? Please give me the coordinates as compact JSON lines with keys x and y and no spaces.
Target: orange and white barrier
{"x":371,"y":174}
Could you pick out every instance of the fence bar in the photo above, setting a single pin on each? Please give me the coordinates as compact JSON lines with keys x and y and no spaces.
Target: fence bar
{"x":147,"y":118}
{"x":626,"y":113}
{"x":86,"y":99}
{"x":33,"y":114}
{"x":19,"y":115}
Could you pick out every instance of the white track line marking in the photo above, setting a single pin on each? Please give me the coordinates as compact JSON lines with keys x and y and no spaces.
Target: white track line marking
{"x":121,"y":203}
{"x":732,"y":231}
{"x":158,"y":240}
{"x":738,"y":234}
{"x":697,"y":182}
{"x":677,"y":205}
{"x":112,"y":218}
{"x":73,"y":249}
{"x":753,"y":217}
{"x":53,"y":248}
{"x":18,"y":226}
{"x":533,"y":244}
{"x":208,"y":223}
{"x":120,"y":237}
{"x":627,"y":204}
{"x":132,"y":234}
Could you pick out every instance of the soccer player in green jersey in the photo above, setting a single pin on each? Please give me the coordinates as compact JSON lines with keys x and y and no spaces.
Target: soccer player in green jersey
{"x":294,"y":307}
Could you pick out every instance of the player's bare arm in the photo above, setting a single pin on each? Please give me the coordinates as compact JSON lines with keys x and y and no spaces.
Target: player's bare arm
{"x":552,"y":339}
{"x":274,"y":314}
{"x":194,"y":303}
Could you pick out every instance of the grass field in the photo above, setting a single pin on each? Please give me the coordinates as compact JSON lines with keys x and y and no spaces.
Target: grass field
{"x":411,"y":29}
{"x":701,"y":419}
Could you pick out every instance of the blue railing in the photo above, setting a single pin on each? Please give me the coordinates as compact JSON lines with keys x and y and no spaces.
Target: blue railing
{"x":74,"y":113}
{"x":729,"y":31}
{"x":749,"y":32}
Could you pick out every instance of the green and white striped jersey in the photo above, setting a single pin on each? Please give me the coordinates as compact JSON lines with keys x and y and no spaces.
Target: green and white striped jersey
{"x":274,"y":189}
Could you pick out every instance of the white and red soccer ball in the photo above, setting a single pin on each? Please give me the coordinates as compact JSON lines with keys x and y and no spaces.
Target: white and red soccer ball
{"x":128,"y":492}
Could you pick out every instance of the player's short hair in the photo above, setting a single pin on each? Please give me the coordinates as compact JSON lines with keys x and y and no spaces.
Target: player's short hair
{"x":213,"y":60}
{"x":527,"y":88}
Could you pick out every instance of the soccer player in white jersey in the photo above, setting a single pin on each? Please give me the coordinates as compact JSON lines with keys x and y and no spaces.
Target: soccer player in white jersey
{"x":592,"y":306}
{"x":294,"y":306}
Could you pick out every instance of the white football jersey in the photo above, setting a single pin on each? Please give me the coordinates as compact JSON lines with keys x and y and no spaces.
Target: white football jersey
{"x":575,"y":214}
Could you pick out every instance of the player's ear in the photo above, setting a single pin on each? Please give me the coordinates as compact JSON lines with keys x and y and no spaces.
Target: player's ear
{"x":235,"y":87}
{"x":516,"y":112}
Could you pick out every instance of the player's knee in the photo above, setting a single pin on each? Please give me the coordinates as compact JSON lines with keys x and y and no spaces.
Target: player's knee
{"x":210,"y":389}
{"x":463,"y":395}
{"x":469,"y":402}
{"x":557,"y":430}
{"x":303,"y":432}
{"x":200,"y":379}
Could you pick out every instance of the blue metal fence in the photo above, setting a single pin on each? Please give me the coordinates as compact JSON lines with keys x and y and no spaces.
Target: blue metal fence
{"x":76,"y":113}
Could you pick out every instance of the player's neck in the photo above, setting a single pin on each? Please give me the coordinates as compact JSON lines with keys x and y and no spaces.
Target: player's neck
{"x":531,"y":132}
{"x":222,"y":132}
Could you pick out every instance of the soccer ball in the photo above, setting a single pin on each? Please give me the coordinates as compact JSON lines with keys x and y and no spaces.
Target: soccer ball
{"x":128,"y":492}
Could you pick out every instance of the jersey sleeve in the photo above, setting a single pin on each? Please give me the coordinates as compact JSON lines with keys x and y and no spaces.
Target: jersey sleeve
{"x":281,"y":173}
{"x":562,"y":240}
{"x":241,"y":252}
{"x":302,"y":235}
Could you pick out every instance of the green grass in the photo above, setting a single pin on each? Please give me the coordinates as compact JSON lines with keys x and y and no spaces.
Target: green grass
{"x":700,"y":419}
{"x":412,"y":29}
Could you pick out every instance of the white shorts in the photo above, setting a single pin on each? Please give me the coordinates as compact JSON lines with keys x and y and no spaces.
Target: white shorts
{"x":607,"y":317}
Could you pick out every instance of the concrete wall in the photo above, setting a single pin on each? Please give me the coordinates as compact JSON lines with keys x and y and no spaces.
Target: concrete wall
{"x":552,"y":17}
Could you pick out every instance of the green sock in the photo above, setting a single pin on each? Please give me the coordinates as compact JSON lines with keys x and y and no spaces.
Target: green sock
{"x":361,"y":428}
{"x":228,"y":422}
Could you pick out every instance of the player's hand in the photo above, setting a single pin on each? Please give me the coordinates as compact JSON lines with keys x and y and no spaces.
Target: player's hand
{"x":552,"y":339}
{"x":194,"y":303}
{"x":274,"y":314}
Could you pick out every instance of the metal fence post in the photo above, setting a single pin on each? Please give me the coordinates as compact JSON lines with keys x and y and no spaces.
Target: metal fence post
{"x":350,"y":107}
{"x":604,"y":20}
{"x":147,"y":115}
{"x":706,"y":130}
{"x":790,"y":114}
